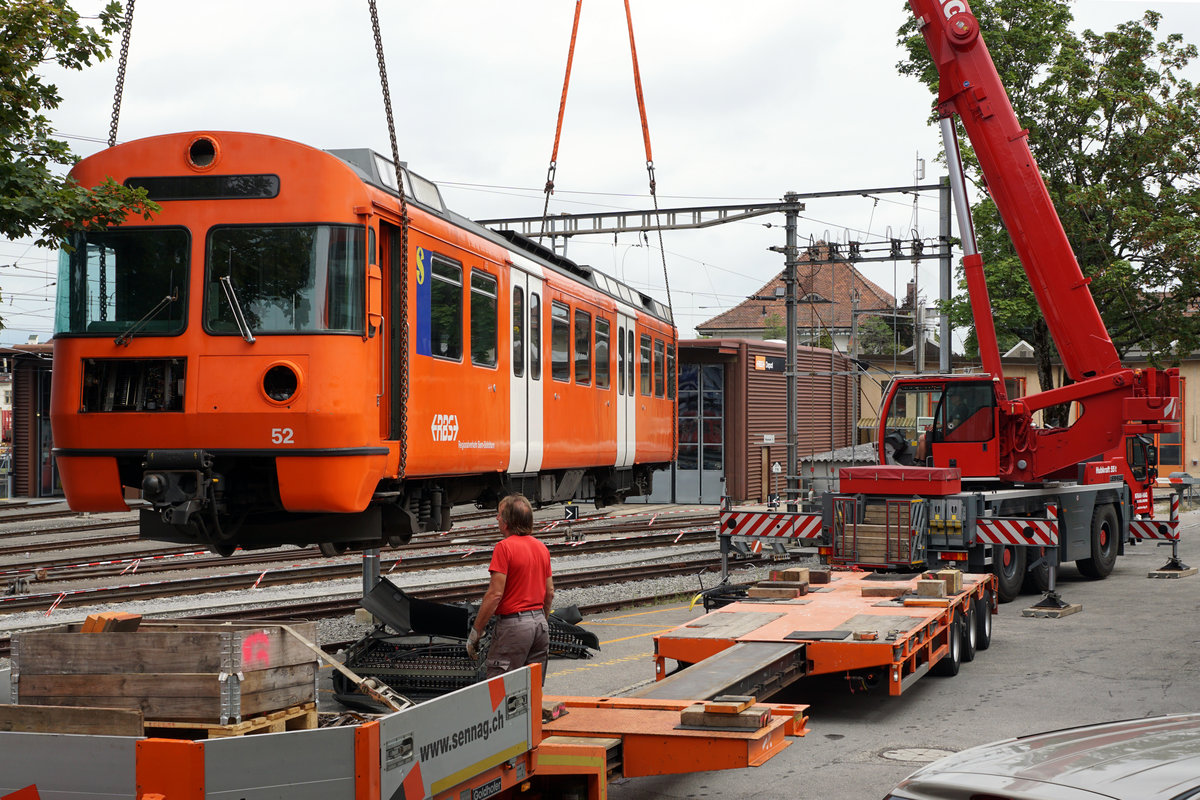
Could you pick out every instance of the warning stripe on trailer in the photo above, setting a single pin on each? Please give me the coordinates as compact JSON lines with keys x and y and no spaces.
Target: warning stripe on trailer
{"x":772,"y":524}
{"x":1018,"y":531}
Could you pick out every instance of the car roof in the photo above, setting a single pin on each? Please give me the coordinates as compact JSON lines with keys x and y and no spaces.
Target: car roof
{"x":1141,"y":759}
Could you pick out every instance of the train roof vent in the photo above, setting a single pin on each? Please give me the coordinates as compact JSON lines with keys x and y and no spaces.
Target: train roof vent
{"x":545,"y":253}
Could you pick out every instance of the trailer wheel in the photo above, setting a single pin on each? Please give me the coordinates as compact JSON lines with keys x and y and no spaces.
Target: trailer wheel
{"x":983,"y":621}
{"x":967,"y":623}
{"x":1008,"y":564}
{"x":1105,"y":539}
{"x":948,"y":666}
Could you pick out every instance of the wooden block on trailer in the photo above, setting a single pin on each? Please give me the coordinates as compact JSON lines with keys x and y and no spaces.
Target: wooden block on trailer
{"x":761,"y":593}
{"x":953,"y":579}
{"x":816,"y":576}
{"x":931,"y":588}
{"x":884,"y":591}
{"x":800,"y":587}
{"x":552,"y":710}
{"x":799,"y":574}
{"x":865,"y":636}
{"x":729,"y":704}
{"x":753,"y":718}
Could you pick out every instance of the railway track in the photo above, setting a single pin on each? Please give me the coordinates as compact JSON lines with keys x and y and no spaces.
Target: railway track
{"x":301,"y":573}
{"x":188,"y":557}
{"x":309,"y":609}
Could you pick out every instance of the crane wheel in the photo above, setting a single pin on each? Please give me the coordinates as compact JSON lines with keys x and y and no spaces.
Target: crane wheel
{"x":1008,"y":564}
{"x":1105,"y":541}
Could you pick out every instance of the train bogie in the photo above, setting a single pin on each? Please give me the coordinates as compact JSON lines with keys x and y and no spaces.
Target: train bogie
{"x":281,"y":356}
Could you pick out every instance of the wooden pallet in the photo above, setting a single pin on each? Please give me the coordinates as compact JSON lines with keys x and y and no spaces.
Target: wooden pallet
{"x":296,"y":718}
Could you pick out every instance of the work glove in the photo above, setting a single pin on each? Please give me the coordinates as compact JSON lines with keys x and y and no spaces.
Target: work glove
{"x":473,"y":644}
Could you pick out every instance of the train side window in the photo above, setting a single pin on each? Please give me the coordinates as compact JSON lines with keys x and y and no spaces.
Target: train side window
{"x":483,"y":319}
{"x":670,"y":372}
{"x":535,"y":336}
{"x":583,"y":348}
{"x":603,"y":380}
{"x":518,"y":327}
{"x":629,"y":386}
{"x":560,"y":341}
{"x":446,"y":307}
{"x":645,"y":359}
{"x":620,"y":359}
{"x":660,"y":383}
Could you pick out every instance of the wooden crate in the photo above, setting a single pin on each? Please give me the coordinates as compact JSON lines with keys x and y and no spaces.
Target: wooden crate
{"x":170,"y":670}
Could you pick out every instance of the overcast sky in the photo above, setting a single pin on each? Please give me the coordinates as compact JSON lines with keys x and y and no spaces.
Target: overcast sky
{"x":746,"y":100}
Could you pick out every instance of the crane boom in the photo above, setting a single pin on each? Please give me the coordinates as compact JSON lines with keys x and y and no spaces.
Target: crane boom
{"x":971,"y":88}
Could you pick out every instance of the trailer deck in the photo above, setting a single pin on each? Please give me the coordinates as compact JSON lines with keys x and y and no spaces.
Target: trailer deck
{"x":846,"y":626}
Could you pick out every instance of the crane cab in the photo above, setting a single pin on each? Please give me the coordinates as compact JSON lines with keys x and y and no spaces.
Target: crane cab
{"x":941,"y":421}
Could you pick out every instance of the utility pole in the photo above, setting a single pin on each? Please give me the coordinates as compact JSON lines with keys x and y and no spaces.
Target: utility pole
{"x":791,"y":261}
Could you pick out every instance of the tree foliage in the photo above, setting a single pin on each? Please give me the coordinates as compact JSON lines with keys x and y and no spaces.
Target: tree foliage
{"x":34,"y":200}
{"x":1115,"y":129}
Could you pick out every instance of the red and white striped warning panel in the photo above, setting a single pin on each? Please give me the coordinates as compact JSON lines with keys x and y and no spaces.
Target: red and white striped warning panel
{"x":1020,"y":530}
{"x":1154,"y":529}
{"x":771,"y":523}
{"x":1158,"y":528}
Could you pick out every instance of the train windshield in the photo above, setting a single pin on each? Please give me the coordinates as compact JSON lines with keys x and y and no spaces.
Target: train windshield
{"x":287,"y":279}
{"x":112,"y":280}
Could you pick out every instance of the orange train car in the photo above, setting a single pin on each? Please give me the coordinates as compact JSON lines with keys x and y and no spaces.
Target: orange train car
{"x":278,"y":357}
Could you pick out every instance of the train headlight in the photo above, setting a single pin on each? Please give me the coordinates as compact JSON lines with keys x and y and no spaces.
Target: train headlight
{"x":281,"y":382}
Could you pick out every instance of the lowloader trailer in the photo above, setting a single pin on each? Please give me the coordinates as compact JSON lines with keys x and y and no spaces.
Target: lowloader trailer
{"x":875,"y":629}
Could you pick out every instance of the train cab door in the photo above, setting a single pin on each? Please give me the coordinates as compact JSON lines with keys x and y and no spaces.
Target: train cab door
{"x":390,"y":407}
{"x":626,"y":392}
{"x":525,"y":430}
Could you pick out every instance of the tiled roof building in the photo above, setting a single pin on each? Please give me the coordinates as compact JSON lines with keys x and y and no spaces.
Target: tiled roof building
{"x":824,"y":304}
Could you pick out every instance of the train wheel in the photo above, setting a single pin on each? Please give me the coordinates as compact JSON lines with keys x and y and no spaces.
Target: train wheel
{"x":1104,"y":544}
{"x":331,"y":549}
{"x":1009,"y":566}
{"x":948,"y":666}
{"x":968,"y":622}
{"x":983,"y":621}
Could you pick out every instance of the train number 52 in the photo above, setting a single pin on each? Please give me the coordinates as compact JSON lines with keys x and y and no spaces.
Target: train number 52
{"x":282,"y":436}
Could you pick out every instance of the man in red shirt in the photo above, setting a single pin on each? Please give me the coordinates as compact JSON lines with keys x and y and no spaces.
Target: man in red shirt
{"x":520,"y":594}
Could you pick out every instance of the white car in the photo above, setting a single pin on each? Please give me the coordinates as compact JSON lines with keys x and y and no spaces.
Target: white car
{"x":1156,"y":758}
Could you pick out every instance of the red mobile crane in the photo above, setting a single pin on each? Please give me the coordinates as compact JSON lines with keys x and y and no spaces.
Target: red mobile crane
{"x":965,"y":474}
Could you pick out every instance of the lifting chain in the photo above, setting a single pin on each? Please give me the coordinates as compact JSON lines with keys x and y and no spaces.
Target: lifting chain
{"x":116,"y":112}
{"x":103,"y":282}
{"x":637,"y":85}
{"x":562,"y":107}
{"x":402,"y":323}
